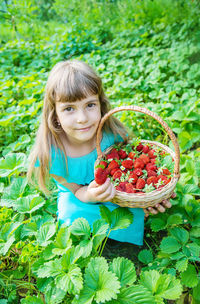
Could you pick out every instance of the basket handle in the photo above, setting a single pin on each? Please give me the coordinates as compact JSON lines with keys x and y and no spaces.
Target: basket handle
{"x":150,"y":113}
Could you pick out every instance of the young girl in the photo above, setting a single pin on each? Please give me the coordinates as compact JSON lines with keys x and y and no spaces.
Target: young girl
{"x":65,"y":147}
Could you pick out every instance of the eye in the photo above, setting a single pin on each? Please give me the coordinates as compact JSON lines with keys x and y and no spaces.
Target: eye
{"x":68,"y":109}
{"x":91,"y":104}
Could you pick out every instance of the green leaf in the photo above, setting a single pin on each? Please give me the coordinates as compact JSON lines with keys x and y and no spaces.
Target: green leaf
{"x":62,"y":241}
{"x":72,"y":281}
{"x":54,"y":295}
{"x":158,"y":224}
{"x":31,"y":300}
{"x":13,"y":192}
{"x":100,"y":227}
{"x":195,"y":232}
{"x":4,"y":247}
{"x":180,"y":234}
{"x":86,"y":246}
{"x":80,"y":227}
{"x":13,"y":162}
{"x":124,"y":270}
{"x":105,"y":214}
{"x":121,"y":218}
{"x":174,"y":219}
{"x":46,"y":231}
{"x":29,"y":229}
{"x":145,"y":256}
{"x":182,"y":265}
{"x":28,"y":204}
{"x":99,"y":283}
{"x":196,"y":294}
{"x":161,"y":285}
{"x":50,"y":269}
{"x":191,"y":189}
{"x":169,"y":245}
{"x":189,"y":277}
{"x":134,"y":295}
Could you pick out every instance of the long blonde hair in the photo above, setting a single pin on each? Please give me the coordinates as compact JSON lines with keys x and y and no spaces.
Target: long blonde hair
{"x":68,"y":81}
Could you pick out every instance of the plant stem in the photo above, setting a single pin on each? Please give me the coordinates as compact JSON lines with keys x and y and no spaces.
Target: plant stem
{"x":104,"y":243}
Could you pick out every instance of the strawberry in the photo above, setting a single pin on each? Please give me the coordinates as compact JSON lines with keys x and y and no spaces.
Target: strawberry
{"x":103,"y":163}
{"x":150,"y":166}
{"x":117,"y":174}
{"x":100,"y":176}
{"x":166,"y":172}
{"x":164,"y":179}
{"x":128,"y":164}
{"x":132,"y":155}
{"x":144,"y":158}
{"x":132,"y":178}
{"x":138,"y":163}
{"x":122,"y":154}
{"x":138,"y":172}
{"x":112,"y":165}
{"x":152,"y":154}
{"x":153,"y":160}
{"x":152,"y":180}
{"x":145,"y":149}
{"x":121,"y":186}
{"x":139,"y":147}
{"x":140,"y":183}
{"x":151,"y":173}
{"x":129,"y":188}
{"x":112,"y":172}
{"x":113,"y":154}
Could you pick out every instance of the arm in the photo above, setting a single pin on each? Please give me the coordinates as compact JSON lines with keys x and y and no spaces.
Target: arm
{"x":92,"y":193}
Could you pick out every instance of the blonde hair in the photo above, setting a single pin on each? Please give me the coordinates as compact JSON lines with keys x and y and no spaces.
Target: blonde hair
{"x":68,"y":81}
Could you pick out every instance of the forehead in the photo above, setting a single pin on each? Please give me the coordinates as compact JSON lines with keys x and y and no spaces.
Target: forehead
{"x":81,"y":102}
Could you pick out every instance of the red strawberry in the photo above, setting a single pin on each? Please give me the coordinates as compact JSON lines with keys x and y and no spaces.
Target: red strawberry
{"x":100,"y":176}
{"x":145,"y":149}
{"x":122,"y":154}
{"x":138,"y":163}
{"x":151,"y":153}
{"x":112,"y":172}
{"x":129,"y":188}
{"x":150,"y":166}
{"x":144,"y":158}
{"x":138,"y":172}
{"x":140,"y":183}
{"x":112,"y":165}
{"x":153,"y":160}
{"x":121,"y":186}
{"x":152,"y":180}
{"x":132,"y":155}
{"x":166,"y":172}
{"x":128,"y":163}
{"x":113,"y":154}
{"x":139,"y":147}
{"x":164,"y":179}
{"x":151,"y":173}
{"x":132,"y":178}
{"x":117,"y":174}
{"x":103,"y":163}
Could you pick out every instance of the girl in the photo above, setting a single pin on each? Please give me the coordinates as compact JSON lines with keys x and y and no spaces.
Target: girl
{"x":65,"y":147}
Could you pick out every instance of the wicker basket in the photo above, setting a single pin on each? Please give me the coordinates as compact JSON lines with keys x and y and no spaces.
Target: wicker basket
{"x":140,"y":200}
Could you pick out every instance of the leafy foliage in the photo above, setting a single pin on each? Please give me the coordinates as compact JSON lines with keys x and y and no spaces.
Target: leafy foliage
{"x":147,"y":53}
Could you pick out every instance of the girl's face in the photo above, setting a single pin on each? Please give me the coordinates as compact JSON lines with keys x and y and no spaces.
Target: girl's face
{"x":79,"y":120}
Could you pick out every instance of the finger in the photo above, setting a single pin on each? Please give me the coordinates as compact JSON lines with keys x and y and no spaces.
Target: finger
{"x":108,"y":194}
{"x":146,"y":213}
{"x":152,"y":210}
{"x":173,"y":195}
{"x":102,"y":188}
{"x":166,"y":203}
{"x":160,"y":208}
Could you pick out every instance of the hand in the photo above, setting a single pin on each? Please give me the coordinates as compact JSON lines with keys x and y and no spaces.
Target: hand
{"x":159,"y":207}
{"x":101,"y":193}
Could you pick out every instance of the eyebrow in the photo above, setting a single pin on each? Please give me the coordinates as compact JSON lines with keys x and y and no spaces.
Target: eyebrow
{"x":73,"y":103}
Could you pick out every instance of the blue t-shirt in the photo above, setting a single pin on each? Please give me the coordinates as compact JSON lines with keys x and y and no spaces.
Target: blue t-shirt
{"x":81,"y":171}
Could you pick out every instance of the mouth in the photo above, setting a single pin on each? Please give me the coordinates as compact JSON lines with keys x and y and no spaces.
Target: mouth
{"x":84,"y":129}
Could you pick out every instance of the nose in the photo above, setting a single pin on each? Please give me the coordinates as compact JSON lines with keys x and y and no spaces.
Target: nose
{"x":82,"y":116}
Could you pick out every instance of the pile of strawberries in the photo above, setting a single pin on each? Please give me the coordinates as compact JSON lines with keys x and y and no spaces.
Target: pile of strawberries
{"x":134,"y":168}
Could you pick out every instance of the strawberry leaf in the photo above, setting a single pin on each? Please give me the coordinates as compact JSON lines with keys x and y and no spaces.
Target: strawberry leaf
{"x":80,"y":227}
{"x":124,"y":270}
